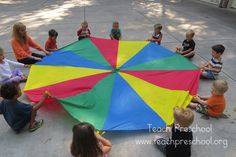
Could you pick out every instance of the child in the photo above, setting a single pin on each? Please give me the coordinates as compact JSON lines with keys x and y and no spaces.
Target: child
{"x":181,"y":140}
{"x":213,"y":68}
{"x":51,"y":43}
{"x":16,"y":113}
{"x":86,"y":142}
{"x":188,"y":45}
{"x":215,"y":104}
{"x":115,"y":31}
{"x":157,"y":35}
{"x":8,"y":75}
{"x":84,"y":31}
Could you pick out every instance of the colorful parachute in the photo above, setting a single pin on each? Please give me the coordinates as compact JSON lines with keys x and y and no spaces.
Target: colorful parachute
{"x":116,"y":85}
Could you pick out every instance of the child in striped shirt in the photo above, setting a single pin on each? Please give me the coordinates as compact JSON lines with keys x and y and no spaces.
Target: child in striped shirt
{"x":157,"y":35}
{"x":213,"y":68}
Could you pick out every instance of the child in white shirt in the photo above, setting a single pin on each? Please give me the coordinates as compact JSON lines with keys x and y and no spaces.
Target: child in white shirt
{"x":7,"y":74}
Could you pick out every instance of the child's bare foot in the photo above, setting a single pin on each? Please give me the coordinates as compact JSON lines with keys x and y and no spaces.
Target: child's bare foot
{"x":193,"y":105}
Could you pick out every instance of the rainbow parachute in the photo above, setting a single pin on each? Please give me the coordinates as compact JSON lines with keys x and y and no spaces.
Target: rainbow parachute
{"x":116,"y":85}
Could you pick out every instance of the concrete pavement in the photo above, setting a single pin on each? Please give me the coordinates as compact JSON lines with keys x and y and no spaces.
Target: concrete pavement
{"x":211,"y":24}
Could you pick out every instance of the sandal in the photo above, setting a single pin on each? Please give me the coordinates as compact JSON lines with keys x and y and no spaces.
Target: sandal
{"x":37,"y":125}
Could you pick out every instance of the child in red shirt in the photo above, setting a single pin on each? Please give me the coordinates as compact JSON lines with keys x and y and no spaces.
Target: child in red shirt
{"x":84,"y":31}
{"x":51,"y":43}
{"x":215,"y":104}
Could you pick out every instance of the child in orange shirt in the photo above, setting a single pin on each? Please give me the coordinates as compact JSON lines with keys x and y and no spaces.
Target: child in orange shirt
{"x":51,"y":43}
{"x":215,"y":104}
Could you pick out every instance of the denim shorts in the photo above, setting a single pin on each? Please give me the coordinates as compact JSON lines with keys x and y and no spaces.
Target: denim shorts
{"x":210,"y":74}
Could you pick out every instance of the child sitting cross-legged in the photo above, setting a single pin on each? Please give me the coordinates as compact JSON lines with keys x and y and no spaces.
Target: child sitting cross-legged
{"x":8,"y":75}
{"x":188,"y":45}
{"x":157,"y":35}
{"x":115,"y":31}
{"x":84,"y":31}
{"x":51,"y":43}
{"x":179,"y":144}
{"x":215,"y":104}
{"x":16,"y":113}
{"x":213,"y":68}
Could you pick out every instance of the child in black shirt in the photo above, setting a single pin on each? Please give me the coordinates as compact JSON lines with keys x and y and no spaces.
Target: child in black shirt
{"x":179,"y":145}
{"x":188,"y":45}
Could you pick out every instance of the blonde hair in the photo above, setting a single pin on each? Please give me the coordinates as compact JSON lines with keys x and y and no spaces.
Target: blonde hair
{"x":84,"y":23}
{"x":115,"y":22}
{"x":158,"y":26}
{"x":15,"y":32}
{"x":220,"y":86}
{"x":190,"y":32}
{"x":184,"y":117}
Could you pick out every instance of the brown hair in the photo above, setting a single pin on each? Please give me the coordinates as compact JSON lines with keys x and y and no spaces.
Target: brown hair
{"x":184,"y":117}
{"x":115,"y":22}
{"x":15,"y":32}
{"x":52,"y":33}
{"x":1,"y":50}
{"x":84,"y":23}
{"x":9,"y":90}
{"x":190,"y":32}
{"x":219,"y":48}
{"x":84,"y":142}
{"x":158,"y":26}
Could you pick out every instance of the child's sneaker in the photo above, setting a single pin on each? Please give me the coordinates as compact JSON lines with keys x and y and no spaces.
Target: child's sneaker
{"x":37,"y":125}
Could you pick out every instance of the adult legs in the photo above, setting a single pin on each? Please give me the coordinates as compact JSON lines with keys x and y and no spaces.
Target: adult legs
{"x":27,"y":60}
{"x":31,"y":60}
{"x":37,"y":55}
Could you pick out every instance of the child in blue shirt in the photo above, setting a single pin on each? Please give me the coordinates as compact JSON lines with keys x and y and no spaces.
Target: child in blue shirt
{"x":16,"y":113}
{"x":115,"y":31}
